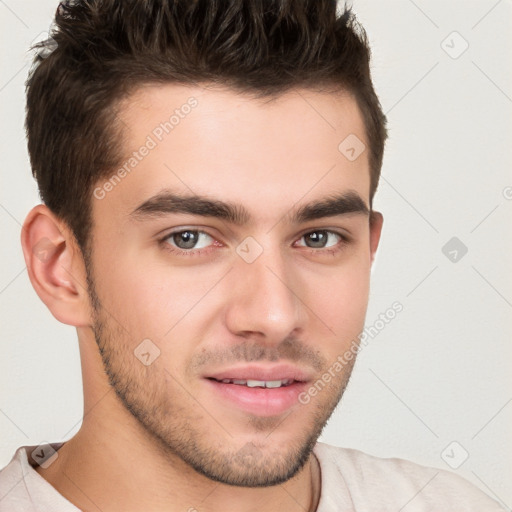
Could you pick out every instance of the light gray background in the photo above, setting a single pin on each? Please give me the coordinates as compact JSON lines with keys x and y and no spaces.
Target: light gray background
{"x":440,"y":371}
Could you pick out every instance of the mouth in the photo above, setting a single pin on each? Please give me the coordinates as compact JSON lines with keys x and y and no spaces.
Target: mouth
{"x":272,"y":384}
{"x":261,"y":391}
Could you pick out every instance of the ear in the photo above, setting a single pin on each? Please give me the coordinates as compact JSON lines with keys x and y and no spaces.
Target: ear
{"x":376,"y":222}
{"x":55,"y":266}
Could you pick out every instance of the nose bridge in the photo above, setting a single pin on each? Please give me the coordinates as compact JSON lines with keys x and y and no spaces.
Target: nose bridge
{"x":263,"y":298}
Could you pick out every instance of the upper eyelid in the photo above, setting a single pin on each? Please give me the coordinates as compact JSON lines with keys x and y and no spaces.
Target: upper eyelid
{"x":337,"y":231}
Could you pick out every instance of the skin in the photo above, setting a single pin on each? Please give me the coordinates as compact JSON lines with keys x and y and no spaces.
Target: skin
{"x":157,"y":437}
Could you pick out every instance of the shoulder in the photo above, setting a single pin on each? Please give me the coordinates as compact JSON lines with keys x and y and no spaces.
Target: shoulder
{"x":396,"y":484}
{"x":21,"y":487}
{"x":13,"y":494}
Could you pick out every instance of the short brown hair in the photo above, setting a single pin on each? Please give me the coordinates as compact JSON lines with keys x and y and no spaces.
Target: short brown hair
{"x":104,"y":49}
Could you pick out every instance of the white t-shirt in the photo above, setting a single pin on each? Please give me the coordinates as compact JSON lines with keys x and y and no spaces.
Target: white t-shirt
{"x":352,"y":481}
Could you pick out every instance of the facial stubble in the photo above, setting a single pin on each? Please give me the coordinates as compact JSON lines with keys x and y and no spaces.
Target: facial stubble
{"x":179,"y":425}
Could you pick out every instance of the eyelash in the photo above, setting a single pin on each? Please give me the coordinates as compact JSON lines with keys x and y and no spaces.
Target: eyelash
{"x":344,"y":240}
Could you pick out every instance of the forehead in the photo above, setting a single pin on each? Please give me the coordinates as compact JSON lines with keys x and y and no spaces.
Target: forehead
{"x":265,"y":153}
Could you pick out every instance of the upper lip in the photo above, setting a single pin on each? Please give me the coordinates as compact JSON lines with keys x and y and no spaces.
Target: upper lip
{"x":262,"y":373}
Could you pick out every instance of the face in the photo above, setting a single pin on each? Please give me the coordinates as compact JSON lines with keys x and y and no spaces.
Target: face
{"x":229,"y":272}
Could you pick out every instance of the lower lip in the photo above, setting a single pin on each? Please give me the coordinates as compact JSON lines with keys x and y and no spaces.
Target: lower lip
{"x":260,"y":401}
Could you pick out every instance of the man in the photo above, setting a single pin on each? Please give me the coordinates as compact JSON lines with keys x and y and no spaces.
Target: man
{"x":207,"y":170}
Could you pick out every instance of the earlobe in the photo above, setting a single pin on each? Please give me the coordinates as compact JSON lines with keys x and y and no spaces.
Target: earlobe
{"x":55,"y":266}
{"x":376,"y":222}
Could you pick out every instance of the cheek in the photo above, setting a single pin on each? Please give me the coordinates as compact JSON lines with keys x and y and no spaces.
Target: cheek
{"x":149,"y":299}
{"x":340,"y":300}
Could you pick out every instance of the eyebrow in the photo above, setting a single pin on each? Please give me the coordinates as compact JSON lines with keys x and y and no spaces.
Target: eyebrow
{"x":166,"y":202}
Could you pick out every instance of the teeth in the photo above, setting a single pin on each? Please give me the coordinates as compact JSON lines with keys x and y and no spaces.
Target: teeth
{"x":273,"y":383}
{"x":259,"y":383}
{"x":255,"y":383}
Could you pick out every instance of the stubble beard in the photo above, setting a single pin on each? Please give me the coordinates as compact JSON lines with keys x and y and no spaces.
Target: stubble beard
{"x":180,"y":426}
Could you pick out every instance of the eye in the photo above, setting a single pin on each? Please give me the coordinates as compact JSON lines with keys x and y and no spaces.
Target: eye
{"x":189,"y":239}
{"x":321,"y":239}
{"x":194,"y":242}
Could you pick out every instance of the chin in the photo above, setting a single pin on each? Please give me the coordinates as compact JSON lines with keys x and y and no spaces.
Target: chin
{"x":252,"y":466}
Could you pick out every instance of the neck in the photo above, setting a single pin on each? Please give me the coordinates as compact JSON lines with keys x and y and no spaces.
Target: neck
{"x":111,"y":460}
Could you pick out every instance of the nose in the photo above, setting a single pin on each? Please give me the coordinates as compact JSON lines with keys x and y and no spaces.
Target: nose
{"x":265,"y":300}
